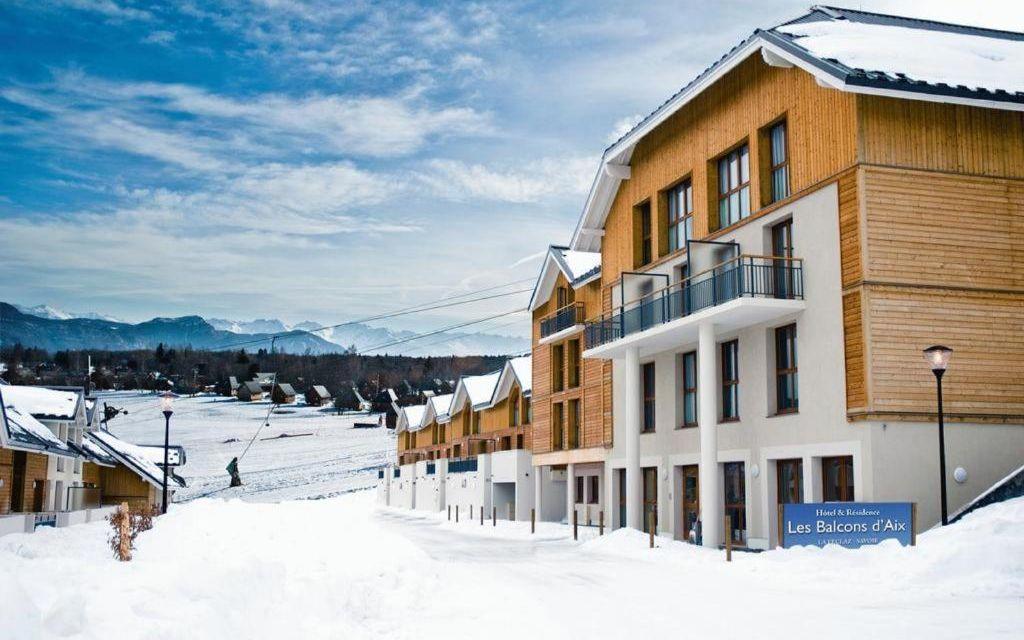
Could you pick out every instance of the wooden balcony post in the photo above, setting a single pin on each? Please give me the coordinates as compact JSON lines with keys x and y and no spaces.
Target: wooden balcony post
{"x":728,"y":538}
{"x":533,"y":520}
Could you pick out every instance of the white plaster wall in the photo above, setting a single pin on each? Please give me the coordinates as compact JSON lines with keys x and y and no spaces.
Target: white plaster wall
{"x":403,"y":488}
{"x":512,"y":468}
{"x":430,"y":487}
{"x":17,"y":523}
{"x":384,"y":487}
{"x":552,"y":507}
{"x":470,"y":489}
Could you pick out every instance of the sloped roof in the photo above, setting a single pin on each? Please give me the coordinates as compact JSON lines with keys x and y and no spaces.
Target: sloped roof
{"x":97,"y":453}
{"x":847,"y":50}
{"x":252,"y":386}
{"x":286,"y":389}
{"x":24,"y":432}
{"x":517,"y":370}
{"x":320,"y":391}
{"x":411,"y":418}
{"x":133,"y":457}
{"x":578,"y":267}
{"x":437,"y":409}
{"x":44,"y":403}
{"x":477,"y":390}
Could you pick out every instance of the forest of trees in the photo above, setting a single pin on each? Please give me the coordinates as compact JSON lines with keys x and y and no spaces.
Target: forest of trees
{"x":190,"y":371}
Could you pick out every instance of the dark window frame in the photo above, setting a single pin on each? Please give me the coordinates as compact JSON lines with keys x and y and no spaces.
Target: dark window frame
{"x":730,"y":359}
{"x":594,"y":490}
{"x":787,"y":394}
{"x":782,"y":165}
{"x":648,"y":407}
{"x":727,"y":189}
{"x":845,"y":488}
{"x":679,"y":215}
{"x":574,"y":365}
{"x":689,"y":387}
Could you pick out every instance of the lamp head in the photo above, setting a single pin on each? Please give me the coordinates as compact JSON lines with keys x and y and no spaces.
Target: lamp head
{"x":938,"y":357}
{"x":167,"y":401}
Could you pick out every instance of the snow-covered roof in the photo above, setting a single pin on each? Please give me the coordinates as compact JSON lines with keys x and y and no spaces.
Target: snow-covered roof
{"x":437,"y":409}
{"x":847,"y":50}
{"x":477,"y":390}
{"x":517,"y":370}
{"x":97,"y":453}
{"x":578,"y":267}
{"x":410,"y":418}
{"x":131,"y":456}
{"x":23,"y":431}
{"x":44,"y":403}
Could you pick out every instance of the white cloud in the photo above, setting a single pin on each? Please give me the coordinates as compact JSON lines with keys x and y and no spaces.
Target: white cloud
{"x":160,"y":37}
{"x":623,"y":126}
{"x":533,"y":182}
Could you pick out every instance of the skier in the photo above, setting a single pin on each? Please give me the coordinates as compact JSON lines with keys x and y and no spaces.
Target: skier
{"x":232,"y":468}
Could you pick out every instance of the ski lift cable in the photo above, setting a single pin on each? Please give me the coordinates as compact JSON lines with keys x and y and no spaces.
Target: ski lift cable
{"x":266,"y":422}
{"x":443,"y":303}
{"x":441,"y":330}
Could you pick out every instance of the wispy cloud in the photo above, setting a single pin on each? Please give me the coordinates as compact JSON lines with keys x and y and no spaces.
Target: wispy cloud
{"x":532,"y":182}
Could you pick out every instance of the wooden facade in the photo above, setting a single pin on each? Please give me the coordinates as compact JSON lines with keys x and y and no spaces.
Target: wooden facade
{"x":119,"y":484}
{"x":26,"y":471}
{"x":931,"y":221}
{"x":589,"y":392}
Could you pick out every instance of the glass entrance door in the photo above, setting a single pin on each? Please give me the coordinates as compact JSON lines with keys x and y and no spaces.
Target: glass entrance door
{"x":650,"y":498}
{"x":790,"y":481}
{"x":837,"y":478}
{"x":691,"y":499}
{"x":736,"y":501}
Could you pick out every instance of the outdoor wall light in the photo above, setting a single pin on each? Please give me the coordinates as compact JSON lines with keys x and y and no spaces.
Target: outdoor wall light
{"x":755,"y":471}
{"x":960,"y":475}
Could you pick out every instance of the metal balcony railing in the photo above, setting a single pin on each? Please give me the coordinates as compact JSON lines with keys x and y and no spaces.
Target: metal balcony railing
{"x":742,"y":276}
{"x":568,"y":316}
{"x":462,"y":466}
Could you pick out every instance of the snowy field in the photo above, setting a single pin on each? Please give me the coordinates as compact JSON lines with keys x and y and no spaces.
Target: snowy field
{"x":334,"y":459}
{"x":344,"y":568}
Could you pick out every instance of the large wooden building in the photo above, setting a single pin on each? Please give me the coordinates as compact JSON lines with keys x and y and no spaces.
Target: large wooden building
{"x":777,"y":244}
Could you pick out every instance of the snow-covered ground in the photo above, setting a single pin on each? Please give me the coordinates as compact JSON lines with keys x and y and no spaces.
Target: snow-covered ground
{"x":336,"y":458}
{"x":344,"y":568}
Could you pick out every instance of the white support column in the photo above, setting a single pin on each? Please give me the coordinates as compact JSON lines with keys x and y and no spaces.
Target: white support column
{"x":538,"y":493}
{"x":570,"y":491}
{"x":707,"y":418}
{"x":634,"y":498}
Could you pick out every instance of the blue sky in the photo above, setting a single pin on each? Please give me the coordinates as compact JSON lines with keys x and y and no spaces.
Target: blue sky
{"x":324,"y":160}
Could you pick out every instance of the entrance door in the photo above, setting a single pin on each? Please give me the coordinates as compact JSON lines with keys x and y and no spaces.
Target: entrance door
{"x":691,"y":499}
{"x":621,"y":474}
{"x":790,"y":481}
{"x":650,"y":475}
{"x":37,"y":495}
{"x":837,"y":478}
{"x":736,"y":501}
{"x":18,"y":482}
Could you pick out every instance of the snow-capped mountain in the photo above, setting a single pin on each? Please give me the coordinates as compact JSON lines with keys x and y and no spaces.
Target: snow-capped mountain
{"x":53,"y":313}
{"x":251,"y":326}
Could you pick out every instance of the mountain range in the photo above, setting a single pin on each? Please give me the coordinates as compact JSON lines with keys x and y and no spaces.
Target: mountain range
{"x":52,"y":329}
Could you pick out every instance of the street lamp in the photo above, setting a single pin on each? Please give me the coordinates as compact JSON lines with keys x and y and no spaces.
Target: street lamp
{"x":938,"y":359}
{"x":166,"y":402}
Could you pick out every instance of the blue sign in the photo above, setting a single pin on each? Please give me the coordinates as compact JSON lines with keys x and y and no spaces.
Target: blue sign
{"x":848,"y":524}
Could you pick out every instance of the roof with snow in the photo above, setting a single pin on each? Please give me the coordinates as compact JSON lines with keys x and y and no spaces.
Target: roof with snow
{"x":97,"y":453}
{"x":516,"y":370}
{"x":578,"y":267}
{"x":847,"y":50}
{"x":478,"y":390}
{"x":319,"y":391}
{"x":410,"y":418}
{"x":437,"y":409}
{"x":22,"y":431}
{"x":44,"y":403}
{"x":131,"y":456}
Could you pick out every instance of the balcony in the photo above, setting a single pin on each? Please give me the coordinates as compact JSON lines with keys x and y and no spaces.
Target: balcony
{"x":741,"y":292}
{"x":561,"y":321}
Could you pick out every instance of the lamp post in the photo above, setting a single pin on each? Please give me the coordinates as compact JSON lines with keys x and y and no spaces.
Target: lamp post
{"x":166,"y":402}
{"x":938,"y":358}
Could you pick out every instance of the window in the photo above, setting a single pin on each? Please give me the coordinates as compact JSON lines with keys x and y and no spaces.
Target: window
{"x":565,"y":296}
{"x":787,"y":399}
{"x":573,"y":357}
{"x":594,"y":496}
{"x":680,"y":215}
{"x":779,"y":165}
{"x":734,"y":187}
{"x":514,"y":408}
{"x":476,"y":421}
{"x":690,"y":389}
{"x":730,"y":381}
{"x":527,"y":411}
{"x":557,"y":426}
{"x":837,"y":479}
{"x":574,"y":424}
{"x":736,"y":501}
{"x":579,"y":490}
{"x":782,"y":248}
{"x":466,"y":421}
{"x":643,"y":230}
{"x":647,"y":382}
{"x":557,"y":367}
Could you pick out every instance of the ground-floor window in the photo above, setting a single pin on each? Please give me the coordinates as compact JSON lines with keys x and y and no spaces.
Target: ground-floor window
{"x":736,"y":501}
{"x":691,"y":499}
{"x":837,"y":479}
{"x":579,"y":490}
{"x":790,"y":481}
{"x":595,"y":490}
{"x":650,"y":482}
{"x":620,"y":475}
